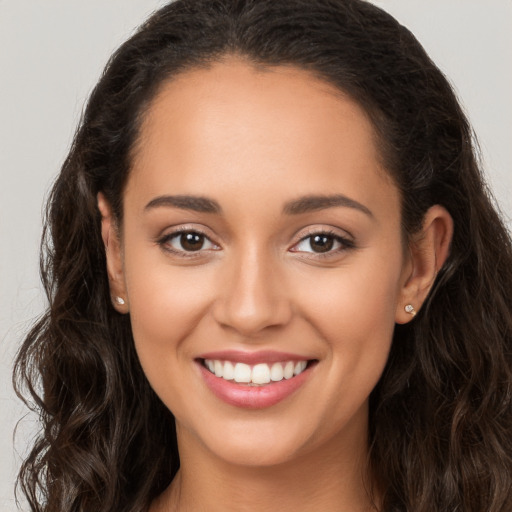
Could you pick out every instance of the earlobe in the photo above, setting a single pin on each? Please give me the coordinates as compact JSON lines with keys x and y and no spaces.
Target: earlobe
{"x":428,"y":250}
{"x":113,"y":255}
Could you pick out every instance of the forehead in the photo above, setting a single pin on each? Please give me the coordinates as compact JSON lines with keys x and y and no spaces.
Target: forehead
{"x":235,"y":124}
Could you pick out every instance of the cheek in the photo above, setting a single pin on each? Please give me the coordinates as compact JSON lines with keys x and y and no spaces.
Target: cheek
{"x":166,"y":304}
{"x":358,"y":297}
{"x":353,"y":312}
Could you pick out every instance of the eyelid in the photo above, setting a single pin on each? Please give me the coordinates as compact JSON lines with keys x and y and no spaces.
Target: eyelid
{"x":346,"y":241}
{"x":323,"y":229}
{"x":163,"y":241}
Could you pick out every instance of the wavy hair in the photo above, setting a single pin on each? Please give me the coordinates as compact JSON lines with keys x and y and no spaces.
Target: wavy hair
{"x":440,"y":416}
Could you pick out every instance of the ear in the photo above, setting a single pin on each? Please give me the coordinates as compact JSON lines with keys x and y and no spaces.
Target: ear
{"x":428,"y":251}
{"x":113,"y":255}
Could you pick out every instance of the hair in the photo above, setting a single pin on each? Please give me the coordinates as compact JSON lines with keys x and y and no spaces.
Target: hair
{"x":441,"y":415}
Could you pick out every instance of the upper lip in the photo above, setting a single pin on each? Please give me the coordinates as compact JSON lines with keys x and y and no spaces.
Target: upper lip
{"x":263,"y":356}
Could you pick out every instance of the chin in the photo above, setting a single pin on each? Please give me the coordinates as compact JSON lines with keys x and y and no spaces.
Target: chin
{"x":258,"y":441}
{"x":261,"y":452}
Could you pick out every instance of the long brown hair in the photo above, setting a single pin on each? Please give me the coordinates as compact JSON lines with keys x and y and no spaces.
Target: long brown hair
{"x":441,"y":415}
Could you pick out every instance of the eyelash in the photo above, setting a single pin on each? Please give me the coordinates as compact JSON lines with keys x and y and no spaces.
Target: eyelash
{"x":345,"y":243}
{"x":165,"y":240}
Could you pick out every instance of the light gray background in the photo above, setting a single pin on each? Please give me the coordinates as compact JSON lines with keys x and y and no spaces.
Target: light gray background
{"x":51,"y":54}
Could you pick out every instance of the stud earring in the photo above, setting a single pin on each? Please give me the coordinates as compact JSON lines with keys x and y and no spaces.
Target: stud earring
{"x":409,"y":308}
{"x":119,"y":300}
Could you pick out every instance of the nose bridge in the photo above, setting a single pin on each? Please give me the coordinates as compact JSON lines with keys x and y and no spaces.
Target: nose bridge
{"x":254,"y":297}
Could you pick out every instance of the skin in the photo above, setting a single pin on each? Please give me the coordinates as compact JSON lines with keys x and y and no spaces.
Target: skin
{"x":253,"y":140}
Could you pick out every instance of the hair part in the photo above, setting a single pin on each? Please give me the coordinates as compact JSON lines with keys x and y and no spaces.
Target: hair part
{"x":441,"y":415}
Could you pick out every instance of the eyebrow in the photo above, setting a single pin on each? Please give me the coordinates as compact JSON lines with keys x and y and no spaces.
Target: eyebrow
{"x":313,"y":203}
{"x":183,"y":202}
{"x":298,"y":206}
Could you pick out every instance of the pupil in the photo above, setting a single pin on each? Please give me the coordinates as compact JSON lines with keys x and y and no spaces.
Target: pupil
{"x":192,"y":241}
{"x":322,"y":243}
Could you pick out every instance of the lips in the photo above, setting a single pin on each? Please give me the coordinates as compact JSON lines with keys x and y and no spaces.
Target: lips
{"x":254,"y":380}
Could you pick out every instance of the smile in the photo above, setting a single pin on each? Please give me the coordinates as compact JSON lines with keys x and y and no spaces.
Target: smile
{"x":258,"y":374}
{"x":254,"y":380}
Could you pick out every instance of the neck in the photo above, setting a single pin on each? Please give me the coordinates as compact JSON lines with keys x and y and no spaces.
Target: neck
{"x":331,"y":478}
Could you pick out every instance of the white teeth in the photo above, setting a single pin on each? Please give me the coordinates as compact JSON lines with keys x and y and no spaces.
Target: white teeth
{"x":276,"y":372}
{"x":242,"y":373}
{"x":288,"y":370}
{"x":219,"y":367}
{"x":229,"y":371}
{"x":259,"y":374}
{"x":299,"y":367}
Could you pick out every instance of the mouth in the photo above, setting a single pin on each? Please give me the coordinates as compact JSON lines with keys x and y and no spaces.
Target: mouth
{"x":254,"y":381}
{"x":259,"y":374}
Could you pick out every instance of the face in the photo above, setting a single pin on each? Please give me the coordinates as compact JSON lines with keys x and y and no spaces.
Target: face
{"x":261,"y":261}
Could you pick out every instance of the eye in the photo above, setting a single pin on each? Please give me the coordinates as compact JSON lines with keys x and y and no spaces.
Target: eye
{"x":321,"y":243}
{"x":187,"y":241}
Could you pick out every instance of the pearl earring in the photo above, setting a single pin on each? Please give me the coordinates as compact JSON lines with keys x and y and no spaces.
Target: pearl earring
{"x":409,"y":308}
{"x":119,"y":300}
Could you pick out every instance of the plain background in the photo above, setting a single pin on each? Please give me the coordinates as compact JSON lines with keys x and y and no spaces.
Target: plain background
{"x":51,"y":54}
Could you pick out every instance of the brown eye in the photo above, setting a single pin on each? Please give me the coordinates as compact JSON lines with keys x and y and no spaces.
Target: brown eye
{"x":187,"y":242}
{"x":321,"y":243}
{"x":191,"y":241}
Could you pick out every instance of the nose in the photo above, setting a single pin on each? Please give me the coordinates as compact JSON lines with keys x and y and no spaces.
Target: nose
{"x":252,"y":295}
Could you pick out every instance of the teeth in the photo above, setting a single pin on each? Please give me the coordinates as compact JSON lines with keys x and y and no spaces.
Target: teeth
{"x":299,"y":367}
{"x":276,"y":372}
{"x":260,"y":373}
{"x":219,"y":368}
{"x":288,"y":370}
{"x":242,"y":372}
{"x":229,"y":371}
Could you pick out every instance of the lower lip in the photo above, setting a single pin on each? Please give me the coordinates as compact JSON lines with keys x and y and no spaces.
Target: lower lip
{"x":252,"y":397}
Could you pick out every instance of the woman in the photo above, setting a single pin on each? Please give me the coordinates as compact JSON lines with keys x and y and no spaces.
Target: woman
{"x":276,"y":279}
